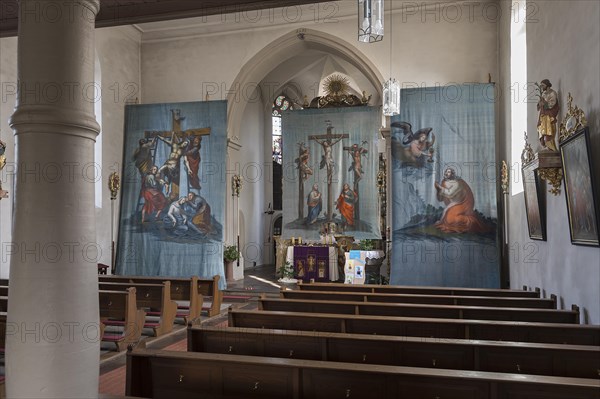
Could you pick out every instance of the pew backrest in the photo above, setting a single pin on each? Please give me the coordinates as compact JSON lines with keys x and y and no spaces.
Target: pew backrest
{"x":398,"y":289}
{"x":510,"y":357}
{"x":156,"y":373}
{"x":510,"y":302}
{"x":155,"y":297}
{"x":122,"y":305}
{"x":182,"y":289}
{"x":419,"y":310}
{"x":574,"y":334}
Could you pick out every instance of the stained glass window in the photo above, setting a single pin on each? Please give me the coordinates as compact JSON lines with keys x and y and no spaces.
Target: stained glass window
{"x":281,"y":104}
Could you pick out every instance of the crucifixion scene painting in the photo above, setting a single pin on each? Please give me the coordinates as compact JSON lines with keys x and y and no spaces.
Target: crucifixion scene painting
{"x":331,"y":175}
{"x":172,"y":196}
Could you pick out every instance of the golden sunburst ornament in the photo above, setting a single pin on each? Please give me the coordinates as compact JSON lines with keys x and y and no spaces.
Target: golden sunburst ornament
{"x":336,"y":85}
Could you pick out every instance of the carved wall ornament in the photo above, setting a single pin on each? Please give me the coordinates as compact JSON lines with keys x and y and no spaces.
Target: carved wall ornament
{"x":554,"y":177}
{"x":547,"y":164}
{"x":573,"y":121}
{"x":337,"y":94}
{"x":527,"y":155}
{"x":236,"y":185}
{"x":114,"y":184}
{"x":504,"y":176}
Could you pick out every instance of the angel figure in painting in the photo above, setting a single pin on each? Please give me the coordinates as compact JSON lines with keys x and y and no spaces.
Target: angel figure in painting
{"x":548,"y":108}
{"x":417,"y":148}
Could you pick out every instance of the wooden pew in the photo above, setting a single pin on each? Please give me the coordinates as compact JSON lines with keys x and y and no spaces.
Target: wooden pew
{"x":3,"y":290}
{"x":398,"y":289}
{"x":156,"y":297}
{"x":420,"y":310}
{"x":207,"y":287}
{"x":509,"y":302}
{"x":3,"y":303}
{"x":182,"y":289}
{"x":507,"y":357}
{"x":210,"y":287}
{"x":158,"y":374}
{"x":121,"y":305}
{"x":573,"y":334}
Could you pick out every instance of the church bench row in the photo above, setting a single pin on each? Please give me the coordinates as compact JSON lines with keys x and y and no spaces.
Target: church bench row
{"x":121,"y":305}
{"x":151,"y":297}
{"x":419,"y":310}
{"x":162,"y":374}
{"x":573,"y":334}
{"x":184,"y":290}
{"x":115,"y":305}
{"x":398,"y":289}
{"x":509,"y":302}
{"x":506,"y":357}
{"x":206,"y":287}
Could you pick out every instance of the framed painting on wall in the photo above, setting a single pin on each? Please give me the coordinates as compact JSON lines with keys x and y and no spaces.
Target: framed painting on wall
{"x":534,"y":204}
{"x":582,"y":206}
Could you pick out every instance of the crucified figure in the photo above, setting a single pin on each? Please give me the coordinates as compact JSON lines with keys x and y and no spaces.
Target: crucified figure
{"x":357,"y":153}
{"x":327,"y":157}
{"x":327,"y":141}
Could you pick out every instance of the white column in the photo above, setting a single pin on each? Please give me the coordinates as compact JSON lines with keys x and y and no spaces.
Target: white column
{"x":52,"y":345}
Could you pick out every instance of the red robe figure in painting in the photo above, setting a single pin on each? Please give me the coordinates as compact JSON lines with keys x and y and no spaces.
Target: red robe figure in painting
{"x":345,"y":204}
{"x":154,"y":199}
{"x":459,"y":215}
{"x":192,"y":161}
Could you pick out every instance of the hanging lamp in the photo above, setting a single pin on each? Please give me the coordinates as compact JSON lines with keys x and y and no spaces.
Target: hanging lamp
{"x":370,"y":21}
{"x":391,"y":88}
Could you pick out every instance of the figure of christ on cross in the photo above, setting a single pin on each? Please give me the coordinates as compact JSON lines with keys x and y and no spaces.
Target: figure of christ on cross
{"x":357,"y":153}
{"x":327,"y":141}
{"x":183,"y":143}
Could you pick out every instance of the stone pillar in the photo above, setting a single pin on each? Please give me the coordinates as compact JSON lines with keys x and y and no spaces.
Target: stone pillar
{"x":52,"y":342}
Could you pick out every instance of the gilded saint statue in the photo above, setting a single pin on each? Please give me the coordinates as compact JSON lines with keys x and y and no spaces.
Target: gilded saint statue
{"x":548,"y":108}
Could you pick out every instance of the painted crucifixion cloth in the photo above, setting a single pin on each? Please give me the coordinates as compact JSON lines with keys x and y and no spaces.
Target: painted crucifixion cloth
{"x":330,"y":163}
{"x":173,"y":198}
{"x":444,"y":198}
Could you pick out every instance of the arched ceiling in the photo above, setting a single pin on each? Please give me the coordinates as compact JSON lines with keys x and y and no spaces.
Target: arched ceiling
{"x":302,"y":75}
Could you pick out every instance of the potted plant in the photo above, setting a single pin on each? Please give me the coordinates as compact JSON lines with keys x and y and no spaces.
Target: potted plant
{"x":366,"y":245}
{"x":230,"y":255}
{"x":287,"y":273}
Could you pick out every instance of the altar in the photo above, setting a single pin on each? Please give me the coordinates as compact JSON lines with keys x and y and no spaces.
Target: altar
{"x":313,"y":262}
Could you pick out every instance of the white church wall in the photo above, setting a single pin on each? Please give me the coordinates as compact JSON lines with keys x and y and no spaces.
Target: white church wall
{"x":8,"y":91}
{"x":431,"y":46}
{"x":118,"y":50}
{"x":563,"y":46}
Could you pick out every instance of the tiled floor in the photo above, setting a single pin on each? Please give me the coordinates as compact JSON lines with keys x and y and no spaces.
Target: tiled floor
{"x":261,"y":279}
